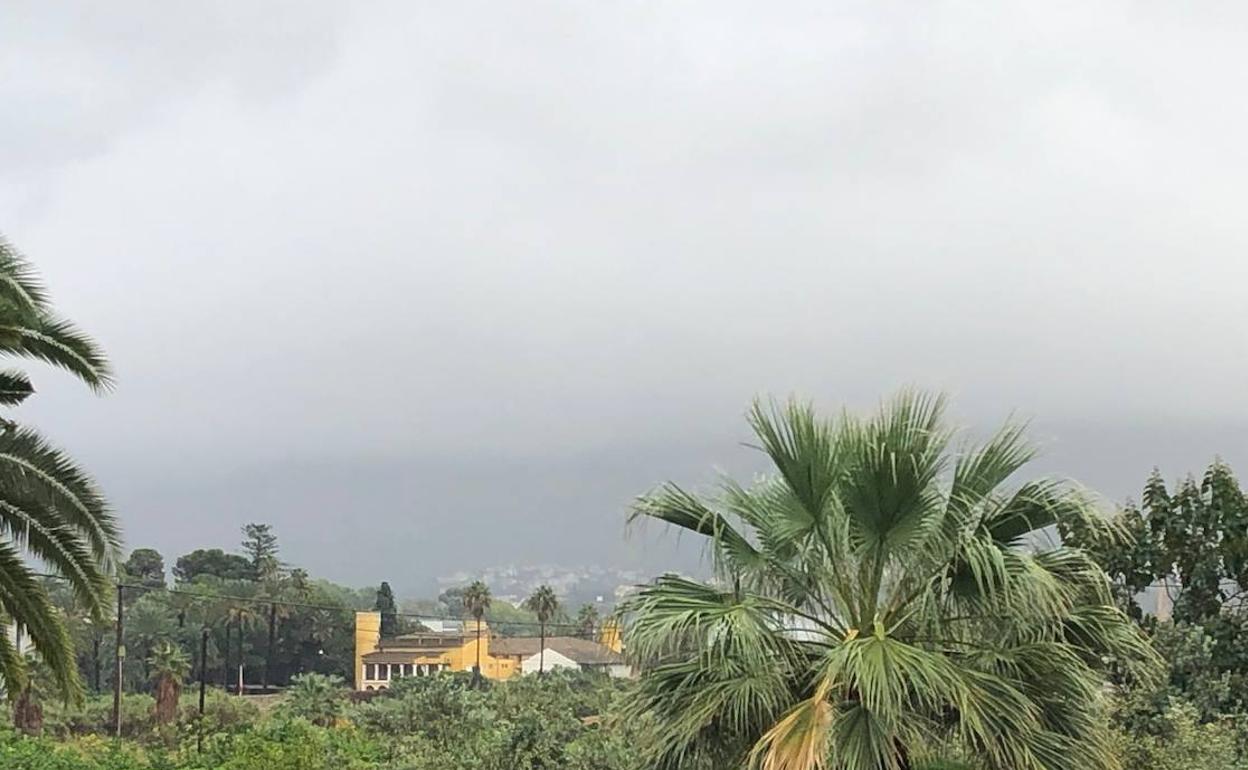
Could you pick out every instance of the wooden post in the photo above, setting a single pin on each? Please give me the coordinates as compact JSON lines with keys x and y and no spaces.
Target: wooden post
{"x":268,"y":659}
{"x":203,"y":683}
{"x":119,"y":656}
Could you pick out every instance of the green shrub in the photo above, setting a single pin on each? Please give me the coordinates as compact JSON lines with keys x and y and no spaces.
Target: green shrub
{"x":318,"y":698}
{"x":294,"y":744}
{"x":1182,"y":742}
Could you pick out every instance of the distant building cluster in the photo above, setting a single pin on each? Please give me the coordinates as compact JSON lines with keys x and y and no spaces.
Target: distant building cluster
{"x":380,"y":660}
{"x":512,"y":583}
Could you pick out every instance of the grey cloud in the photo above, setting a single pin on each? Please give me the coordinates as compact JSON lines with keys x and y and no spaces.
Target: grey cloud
{"x":421,"y":264}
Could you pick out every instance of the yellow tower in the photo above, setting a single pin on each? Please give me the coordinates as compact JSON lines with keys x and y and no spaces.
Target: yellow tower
{"x":611,"y":637}
{"x":367,"y":639}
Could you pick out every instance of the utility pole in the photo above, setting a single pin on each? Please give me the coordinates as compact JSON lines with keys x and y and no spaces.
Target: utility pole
{"x":268,"y":660}
{"x":95,"y":661}
{"x":225,"y":664}
{"x":119,"y":656}
{"x":203,"y":683}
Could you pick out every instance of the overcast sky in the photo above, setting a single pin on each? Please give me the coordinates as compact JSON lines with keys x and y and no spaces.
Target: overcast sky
{"x":444,"y":285}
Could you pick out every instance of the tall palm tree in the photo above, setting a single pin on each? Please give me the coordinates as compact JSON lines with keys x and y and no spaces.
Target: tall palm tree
{"x":315,"y":697}
{"x":244,"y":617}
{"x":883,"y":600}
{"x":544,"y":604}
{"x":50,"y":508}
{"x":169,"y":664}
{"x":28,"y":702}
{"x":149,"y":620}
{"x":477,"y":601}
{"x":587,"y":619}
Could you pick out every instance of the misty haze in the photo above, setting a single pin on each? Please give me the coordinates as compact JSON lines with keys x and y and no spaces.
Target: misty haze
{"x":445,"y":292}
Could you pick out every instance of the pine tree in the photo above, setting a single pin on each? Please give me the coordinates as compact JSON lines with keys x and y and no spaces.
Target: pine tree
{"x":260,"y":546}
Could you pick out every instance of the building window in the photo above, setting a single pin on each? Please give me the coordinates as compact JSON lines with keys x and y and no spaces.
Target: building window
{"x":407,"y":669}
{"x":370,"y":671}
{"x":383,"y":671}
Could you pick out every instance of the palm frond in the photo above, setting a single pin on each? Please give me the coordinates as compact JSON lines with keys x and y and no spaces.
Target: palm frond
{"x":15,"y":387}
{"x":59,"y":343}
{"x":25,"y":601}
{"x":31,"y":470}
{"x":881,"y":594}
{"x":20,"y":288}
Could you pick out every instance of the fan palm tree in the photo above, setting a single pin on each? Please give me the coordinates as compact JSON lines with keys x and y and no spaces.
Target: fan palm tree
{"x":169,"y":664}
{"x":149,"y":620}
{"x":587,"y":619}
{"x":476,"y":602}
{"x":544,"y":604}
{"x":244,"y":616}
{"x":315,"y":697}
{"x":50,"y":509}
{"x":882,"y":601}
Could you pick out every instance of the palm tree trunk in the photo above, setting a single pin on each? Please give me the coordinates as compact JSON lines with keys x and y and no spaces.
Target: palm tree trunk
{"x":27,"y":713}
{"x":478,"y":671}
{"x":541,"y":651}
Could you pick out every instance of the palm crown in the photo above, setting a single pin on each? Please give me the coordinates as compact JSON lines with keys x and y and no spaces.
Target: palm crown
{"x":477,"y":599}
{"x":543,"y":603}
{"x":169,"y":661}
{"x":50,"y":509}
{"x":883,"y":600}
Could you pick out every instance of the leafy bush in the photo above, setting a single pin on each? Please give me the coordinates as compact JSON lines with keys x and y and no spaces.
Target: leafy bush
{"x":318,"y":698}
{"x":222,"y":713}
{"x":1183,"y":742}
{"x":291,"y":744}
{"x":90,"y":753}
{"x":430,"y":723}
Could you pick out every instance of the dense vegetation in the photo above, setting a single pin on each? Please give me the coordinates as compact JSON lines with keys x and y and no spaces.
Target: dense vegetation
{"x":238,"y":598}
{"x":554,"y":721}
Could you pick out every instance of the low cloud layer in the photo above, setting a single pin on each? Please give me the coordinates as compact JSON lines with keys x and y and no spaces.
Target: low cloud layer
{"x":444,"y":284}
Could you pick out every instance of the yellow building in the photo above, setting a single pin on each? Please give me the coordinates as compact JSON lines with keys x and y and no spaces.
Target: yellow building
{"x":379,"y":661}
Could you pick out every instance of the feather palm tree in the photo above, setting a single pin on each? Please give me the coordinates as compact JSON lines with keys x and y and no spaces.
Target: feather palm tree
{"x":50,"y":509}
{"x":544,"y":604}
{"x":477,"y":601}
{"x":884,"y":600}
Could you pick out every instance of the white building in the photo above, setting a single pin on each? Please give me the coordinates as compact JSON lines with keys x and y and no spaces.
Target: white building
{"x":566,"y":652}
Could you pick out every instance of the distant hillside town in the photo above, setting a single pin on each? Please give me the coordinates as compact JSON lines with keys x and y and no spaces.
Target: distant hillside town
{"x":575,"y":585}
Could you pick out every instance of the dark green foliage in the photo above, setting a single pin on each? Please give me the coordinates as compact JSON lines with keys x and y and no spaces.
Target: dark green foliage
{"x":558,"y":722}
{"x":548,"y":722}
{"x":318,"y":698}
{"x":544,"y":604}
{"x":504,"y":619}
{"x":212,"y":562}
{"x":385,"y":604}
{"x":146,"y":567}
{"x":1195,"y":536}
{"x":587,"y":619}
{"x":260,"y":547}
